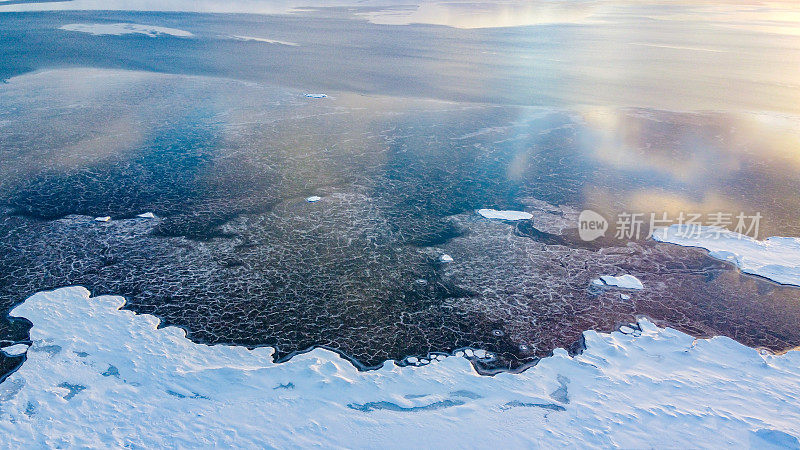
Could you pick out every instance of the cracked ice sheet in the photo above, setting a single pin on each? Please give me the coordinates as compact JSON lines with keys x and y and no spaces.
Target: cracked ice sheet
{"x":169,"y":391}
{"x":776,"y":258}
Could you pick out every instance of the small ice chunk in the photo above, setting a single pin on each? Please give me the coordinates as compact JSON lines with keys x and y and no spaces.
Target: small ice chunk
{"x":147,"y":215}
{"x":102,"y":219}
{"x":317,"y":95}
{"x":625,"y":329}
{"x":15,"y":350}
{"x":412,"y":360}
{"x":445,"y":258}
{"x":623,"y":281}
{"x":469,"y":353}
{"x":625,"y":296}
{"x":313,"y":199}
{"x":504,"y":215}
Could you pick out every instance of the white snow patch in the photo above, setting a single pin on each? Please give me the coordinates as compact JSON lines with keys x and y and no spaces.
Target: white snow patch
{"x":313,"y":199}
{"x":446,"y":258}
{"x":623,"y":281}
{"x":147,"y":215}
{"x":504,"y":215}
{"x":776,"y":258}
{"x":102,"y":219}
{"x":317,"y":95}
{"x":118,"y":29}
{"x":15,"y":350}
{"x":112,"y":378}
{"x":264,"y":40}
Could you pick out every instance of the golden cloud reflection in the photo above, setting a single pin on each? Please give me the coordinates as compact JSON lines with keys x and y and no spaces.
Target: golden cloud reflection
{"x":512,"y":13}
{"x":696,"y":162}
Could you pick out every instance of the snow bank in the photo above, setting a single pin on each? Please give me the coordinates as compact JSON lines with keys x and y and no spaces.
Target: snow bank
{"x":118,"y":29}
{"x":623,"y":281}
{"x":504,"y":215}
{"x":98,"y":376}
{"x":776,"y":258}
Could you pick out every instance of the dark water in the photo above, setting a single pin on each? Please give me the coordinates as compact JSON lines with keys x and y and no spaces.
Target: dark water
{"x":238,"y":256}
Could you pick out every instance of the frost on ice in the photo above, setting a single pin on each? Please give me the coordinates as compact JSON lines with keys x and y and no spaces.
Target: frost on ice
{"x":623,"y":282}
{"x":504,"y":215}
{"x":118,"y":29}
{"x":98,"y":376}
{"x":776,"y":258}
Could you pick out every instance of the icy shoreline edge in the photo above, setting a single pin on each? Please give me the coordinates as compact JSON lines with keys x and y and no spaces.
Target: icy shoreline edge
{"x":109,"y":376}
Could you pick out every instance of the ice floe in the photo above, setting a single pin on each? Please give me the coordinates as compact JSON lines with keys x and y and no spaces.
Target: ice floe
{"x":264,"y":40}
{"x":102,"y":219}
{"x":445,"y":258}
{"x":504,"y":215}
{"x":776,"y":258}
{"x":317,"y":95}
{"x":313,"y":199}
{"x":118,"y":29}
{"x":623,"y":282}
{"x":98,"y":376}
{"x":15,"y":350}
{"x":147,"y":215}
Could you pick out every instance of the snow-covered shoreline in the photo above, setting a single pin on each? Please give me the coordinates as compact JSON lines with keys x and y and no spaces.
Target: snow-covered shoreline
{"x":100,"y":376}
{"x":775,"y":258}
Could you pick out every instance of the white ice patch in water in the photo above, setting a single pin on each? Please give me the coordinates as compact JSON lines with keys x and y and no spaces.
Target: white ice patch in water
{"x":118,"y":29}
{"x":317,"y":95}
{"x":15,"y":350}
{"x":102,"y":219}
{"x":446,"y":258}
{"x":504,"y":215}
{"x":147,"y":215}
{"x":623,"y":282}
{"x":776,"y":258}
{"x":264,"y":40}
{"x":118,"y":380}
{"x":313,"y":199}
